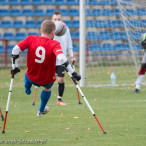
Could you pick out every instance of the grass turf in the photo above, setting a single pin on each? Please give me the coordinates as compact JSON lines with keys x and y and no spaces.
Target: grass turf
{"x":121,"y":113}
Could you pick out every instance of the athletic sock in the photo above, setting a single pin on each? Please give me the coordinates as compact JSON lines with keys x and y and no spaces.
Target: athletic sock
{"x":60,"y":90}
{"x":45,"y":95}
{"x":59,"y":98}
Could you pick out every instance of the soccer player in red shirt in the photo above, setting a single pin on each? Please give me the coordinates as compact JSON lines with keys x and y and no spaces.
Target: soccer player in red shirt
{"x":41,"y":62}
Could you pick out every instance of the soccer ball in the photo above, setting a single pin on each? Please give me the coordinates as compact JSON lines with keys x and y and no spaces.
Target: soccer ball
{"x":61,"y":28}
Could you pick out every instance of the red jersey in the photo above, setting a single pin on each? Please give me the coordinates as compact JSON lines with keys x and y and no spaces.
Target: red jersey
{"x":41,"y":58}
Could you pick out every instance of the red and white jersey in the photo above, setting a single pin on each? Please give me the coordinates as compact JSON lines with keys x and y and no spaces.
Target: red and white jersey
{"x":41,"y":58}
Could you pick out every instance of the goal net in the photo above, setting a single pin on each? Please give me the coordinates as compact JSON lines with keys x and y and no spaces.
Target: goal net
{"x":113,"y":30}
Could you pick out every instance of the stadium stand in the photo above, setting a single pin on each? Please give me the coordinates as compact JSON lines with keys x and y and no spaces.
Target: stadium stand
{"x":18,"y":24}
{"x":33,"y":12}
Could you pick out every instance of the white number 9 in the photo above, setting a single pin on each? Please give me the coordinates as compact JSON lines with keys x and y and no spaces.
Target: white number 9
{"x":41,"y":56}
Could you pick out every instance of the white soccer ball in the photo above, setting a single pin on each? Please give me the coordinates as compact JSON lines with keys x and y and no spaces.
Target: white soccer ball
{"x":61,"y":28}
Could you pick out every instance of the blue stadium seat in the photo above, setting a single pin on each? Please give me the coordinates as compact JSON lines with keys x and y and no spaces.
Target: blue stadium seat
{"x":27,"y":12}
{"x":95,"y":47}
{"x":38,"y":24}
{"x":10,"y":47}
{"x":138,"y":46}
{"x":100,"y":23}
{"x":73,"y":12}
{"x":114,"y":2}
{"x":49,"y":12}
{"x":123,"y":36}
{"x":129,"y":12}
{"x":36,"y":2}
{"x":120,"y":23}
{"x":75,"y":23}
{"x":92,"y":2}
{"x":143,"y":22}
{"x":4,"y":12}
{"x":117,"y":12}
{"x":90,"y":23}
{"x":68,"y":23}
{"x":0,"y":36}
{"x":38,"y":12}
{"x":111,"y":23}
{"x":75,"y":48}
{"x":59,"y":2}
{"x":96,"y":12}
{"x":107,"y":12}
{"x":2,"y":49}
{"x":32,"y":33}
{"x":136,"y":35}
{"x":115,"y":35}
{"x":15,"y":12}
{"x":18,"y":24}
{"x":92,"y":35}
{"x":30,"y":24}
{"x":6,"y":24}
{"x":20,"y":36}
{"x":88,"y":12}
{"x":50,"y":2}
{"x":126,"y":2}
{"x":8,"y":35}
{"x":141,"y":11}
{"x":104,"y":2}
{"x":3,"y":2}
{"x":24,"y":2}
{"x":135,"y":23}
{"x":76,"y":35}
{"x":64,"y":12}
{"x":72,"y":34}
{"x":103,"y":35}
{"x":121,"y":47}
{"x":13,"y":2}
{"x":107,"y":47}
{"x":72,"y":2}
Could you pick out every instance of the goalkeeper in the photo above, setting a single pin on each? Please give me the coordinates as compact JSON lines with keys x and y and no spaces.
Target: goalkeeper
{"x":66,"y":45}
{"x":41,"y":62}
{"x":141,"y":73}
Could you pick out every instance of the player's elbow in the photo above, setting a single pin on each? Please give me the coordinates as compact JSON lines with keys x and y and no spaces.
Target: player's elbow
{"x":62,"y":59}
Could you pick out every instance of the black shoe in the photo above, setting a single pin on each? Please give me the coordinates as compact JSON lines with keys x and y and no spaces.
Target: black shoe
{"x":136,"y":91}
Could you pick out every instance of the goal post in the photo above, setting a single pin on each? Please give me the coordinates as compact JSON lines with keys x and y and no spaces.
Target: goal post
{"x":82,"y":43}
{"x":114,"y":29}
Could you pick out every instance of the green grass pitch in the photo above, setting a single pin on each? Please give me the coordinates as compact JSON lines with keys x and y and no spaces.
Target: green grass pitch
{"x":121,"y":113}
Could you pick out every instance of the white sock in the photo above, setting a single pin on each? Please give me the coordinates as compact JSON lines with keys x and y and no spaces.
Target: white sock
{"x":139,"y":81}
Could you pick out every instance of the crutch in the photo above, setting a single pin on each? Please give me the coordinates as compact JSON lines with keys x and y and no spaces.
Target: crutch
{"x":74,"y":80}
{"x":9,"y":95}
{"x":33,"y":103}
{"x":76,"y":87}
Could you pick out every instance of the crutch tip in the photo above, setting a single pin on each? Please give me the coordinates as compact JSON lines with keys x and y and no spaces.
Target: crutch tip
{"x":33,"y":103}
{"x":3,"y":132}
{"x":104,"y":132}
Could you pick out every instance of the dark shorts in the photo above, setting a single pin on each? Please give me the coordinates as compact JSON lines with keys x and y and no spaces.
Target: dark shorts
{"x":60,"y":72}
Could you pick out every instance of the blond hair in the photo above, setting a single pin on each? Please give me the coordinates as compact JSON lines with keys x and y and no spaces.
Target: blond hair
{"x":47,"y":26}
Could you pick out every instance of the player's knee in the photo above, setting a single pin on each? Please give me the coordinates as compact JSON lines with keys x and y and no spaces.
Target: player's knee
{"x":61,"y":80}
